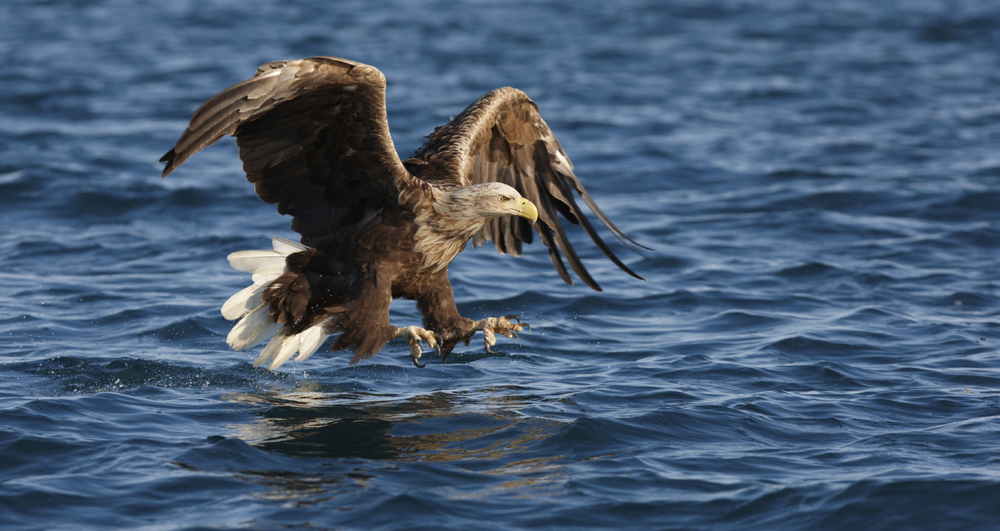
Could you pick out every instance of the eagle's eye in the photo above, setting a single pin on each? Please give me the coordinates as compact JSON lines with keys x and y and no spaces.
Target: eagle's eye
{"x":504,"y":199}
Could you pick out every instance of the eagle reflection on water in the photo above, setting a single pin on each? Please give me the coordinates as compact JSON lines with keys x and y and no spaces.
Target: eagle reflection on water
{"x":489,"y":434}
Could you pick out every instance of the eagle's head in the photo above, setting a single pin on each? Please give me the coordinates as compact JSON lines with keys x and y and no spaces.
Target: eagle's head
{"x":487,"y":201}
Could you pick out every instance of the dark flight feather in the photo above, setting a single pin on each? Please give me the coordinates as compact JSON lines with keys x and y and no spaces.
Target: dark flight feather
{"x":502,"y":138}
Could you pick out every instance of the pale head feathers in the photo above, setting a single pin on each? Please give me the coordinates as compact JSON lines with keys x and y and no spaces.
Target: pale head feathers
{"x":460,"y":214}
{"x":482,"y":202}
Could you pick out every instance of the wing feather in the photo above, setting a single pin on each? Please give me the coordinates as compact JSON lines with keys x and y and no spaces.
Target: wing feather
{"x":502,"y":138}
{"x":313,"y":138}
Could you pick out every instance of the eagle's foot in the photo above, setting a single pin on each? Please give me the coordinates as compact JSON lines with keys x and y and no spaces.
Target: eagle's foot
{"x":500,"y":325}
{"x":415,"y":334}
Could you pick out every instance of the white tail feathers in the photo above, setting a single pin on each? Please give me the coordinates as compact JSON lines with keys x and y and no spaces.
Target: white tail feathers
{"x":282,"y":346}
{"x":264,"y":262}
{"x":310,"y":340}
{"x":277,"y":351}
{"x":256,"y":323}
{"x":251,"y":328}
{"x":258,"y":262}
{"x":288,"y":247}
{"x":243,"y":302}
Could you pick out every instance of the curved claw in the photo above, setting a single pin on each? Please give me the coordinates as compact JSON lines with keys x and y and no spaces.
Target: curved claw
{"x":437,"y":350}
{"x":508,"y":326}
{"x":436,"y":346}
{"x":414,"y":336}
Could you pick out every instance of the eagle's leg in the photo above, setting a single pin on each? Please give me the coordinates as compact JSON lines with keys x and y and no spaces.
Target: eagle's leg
{"x":499,"y":325}
{"x":413,"y":335}
{"x":441,"y":315}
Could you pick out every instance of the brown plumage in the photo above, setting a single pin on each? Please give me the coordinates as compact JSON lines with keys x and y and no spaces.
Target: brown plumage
{"x":314,"y":140}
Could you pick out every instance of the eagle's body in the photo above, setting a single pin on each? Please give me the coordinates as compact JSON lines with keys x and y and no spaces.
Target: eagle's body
{"x":314,"y":139}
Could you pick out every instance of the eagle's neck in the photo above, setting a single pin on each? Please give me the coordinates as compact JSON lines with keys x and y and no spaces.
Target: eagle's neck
{"x":444,"y":227}
{"x":456,"y":214}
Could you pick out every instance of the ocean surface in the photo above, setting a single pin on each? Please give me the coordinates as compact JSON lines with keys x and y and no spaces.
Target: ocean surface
{"x":815,"y":345}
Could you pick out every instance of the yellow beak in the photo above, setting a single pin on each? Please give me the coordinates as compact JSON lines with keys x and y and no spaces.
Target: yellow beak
{"x":527,"y":210}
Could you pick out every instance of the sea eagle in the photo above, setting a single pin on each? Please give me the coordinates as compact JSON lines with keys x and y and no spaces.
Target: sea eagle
{"x":314,"y":140}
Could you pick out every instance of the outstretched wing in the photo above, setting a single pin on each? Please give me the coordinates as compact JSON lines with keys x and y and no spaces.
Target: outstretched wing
{"x":313,"y":138}
{"x":501,"y":138}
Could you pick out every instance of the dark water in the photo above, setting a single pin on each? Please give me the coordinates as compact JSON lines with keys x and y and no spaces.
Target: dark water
{"x":815,"y":346}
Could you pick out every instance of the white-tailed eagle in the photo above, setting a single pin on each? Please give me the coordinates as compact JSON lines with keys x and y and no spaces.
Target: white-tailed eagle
{"x":314,"y":140}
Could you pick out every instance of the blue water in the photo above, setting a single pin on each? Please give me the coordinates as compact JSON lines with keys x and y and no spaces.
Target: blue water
{"x":815,"y":346}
